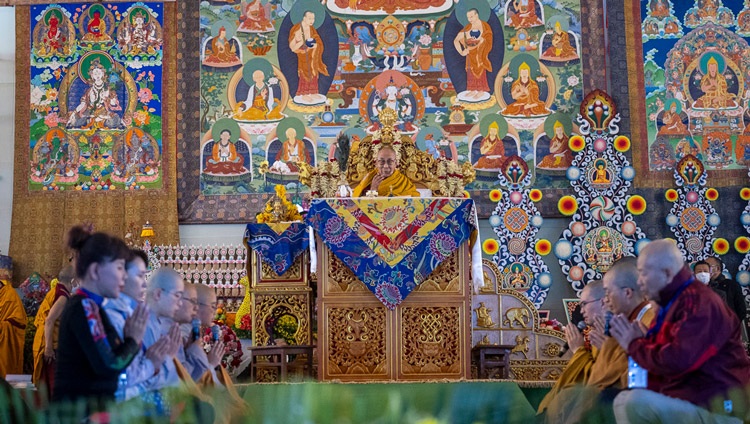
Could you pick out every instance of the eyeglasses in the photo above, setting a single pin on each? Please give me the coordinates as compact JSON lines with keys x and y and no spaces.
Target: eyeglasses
{"x":177,"y":294}
{"x":193,"y":301}
{"x":587,"y":302}
{"x":389,"y":162}
{"x":210,"y":305}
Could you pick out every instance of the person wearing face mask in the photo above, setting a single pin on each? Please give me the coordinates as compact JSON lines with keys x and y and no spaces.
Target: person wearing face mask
{"x":727,"y":289}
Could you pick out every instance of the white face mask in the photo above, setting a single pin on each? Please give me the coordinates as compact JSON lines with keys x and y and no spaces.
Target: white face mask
{"x":703,"y":277}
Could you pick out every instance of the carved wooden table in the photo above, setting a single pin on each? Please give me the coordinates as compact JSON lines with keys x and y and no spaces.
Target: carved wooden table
{"x":491,"y":359}
{"x":279,"y":358}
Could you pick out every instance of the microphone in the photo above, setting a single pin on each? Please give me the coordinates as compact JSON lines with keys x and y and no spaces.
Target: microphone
{"x":607,"y":322}
{"x":581,"y":325}
{"x":196,"y":328}
{"x":215,"y":332}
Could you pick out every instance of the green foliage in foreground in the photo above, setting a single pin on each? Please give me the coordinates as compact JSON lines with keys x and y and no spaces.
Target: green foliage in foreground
{"x":425,"y":403}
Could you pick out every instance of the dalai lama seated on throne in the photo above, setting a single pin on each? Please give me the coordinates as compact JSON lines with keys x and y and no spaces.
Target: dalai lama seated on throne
{"x":385,"y":179}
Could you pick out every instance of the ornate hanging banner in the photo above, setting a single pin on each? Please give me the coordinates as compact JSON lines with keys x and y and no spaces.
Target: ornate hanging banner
{"x":516,"y":221}
{"x":696,"y":76}
{"x":603,"y":227}
{"x":278,"y":244}
{"x":392,"y":244}
{"x":693,"y":218}
{"x":96,"y":89}
{"x":284,"y":83}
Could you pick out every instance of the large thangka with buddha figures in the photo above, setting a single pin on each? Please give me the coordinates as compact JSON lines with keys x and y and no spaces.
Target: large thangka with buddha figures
{"x":289,"y":82}
{"x":696,"y":69}
{"x":95,"y":119}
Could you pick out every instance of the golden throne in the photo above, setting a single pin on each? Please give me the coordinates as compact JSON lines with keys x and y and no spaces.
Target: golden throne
{"x":444,"y":178}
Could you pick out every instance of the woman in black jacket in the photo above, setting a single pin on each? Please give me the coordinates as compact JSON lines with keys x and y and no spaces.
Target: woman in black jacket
{"x":90,"y":354}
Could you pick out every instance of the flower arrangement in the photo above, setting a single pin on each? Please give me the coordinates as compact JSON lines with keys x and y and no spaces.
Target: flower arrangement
{"x":551,"y":324}
{"x":259,"y":44}
{"x":244,"y":328}
{"x":232,"y":346}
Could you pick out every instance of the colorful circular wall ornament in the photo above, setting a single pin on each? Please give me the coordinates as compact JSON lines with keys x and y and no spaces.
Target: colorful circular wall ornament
{"x":743,"y":277}
{"x":576,"y":143}
{"x":490,"y":246}
{"x":745,"y":193}
{"x":578,"y":229}
{"x":535,"y":195}
{"x":627,"y":173}
{"x":602,"y":208}
{"x":742,"y":244}
{"x":694,"y":245}
{"x":629,"y":228}
{"x":495,"y":220}
{"x":622,"y":143}
{"x":537,"y":221}
{"x":467,"y":195}
{"x":543,"y":247}
{"x":516,"y":220}
{"x":672,"y":220}
{"x":516,"y":246}
{"x":544,"y":279}
{"x":576,"y":273}
{"x":636,"y":205}
{"x":671,"y":195}
{"x":567,"y":205}
{"x":714,"y":220}
{"x":516,"y":197}
{"x":600,"y":145}
{"x":745,"y":219}
{"x":573,"y":173}
{"x":721,"y":246}
{"x":693,"y":219}
{"x":640,"y":244}
{"x":563,"y":249}
{"x":691,"y":197}
{"x":496,"y":195}
{"x":712,"y":194}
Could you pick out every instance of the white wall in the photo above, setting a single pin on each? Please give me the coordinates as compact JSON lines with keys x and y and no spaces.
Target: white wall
{"x":7,"y":107}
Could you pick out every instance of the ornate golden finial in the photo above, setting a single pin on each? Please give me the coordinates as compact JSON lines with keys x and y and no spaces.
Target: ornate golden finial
{"x":388,"y":117}
{"x":279,"y":209}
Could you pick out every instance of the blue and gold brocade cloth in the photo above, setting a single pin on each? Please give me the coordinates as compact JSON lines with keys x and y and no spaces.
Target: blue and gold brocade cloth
{"x":392,"y":244}
{"x":278,"y":244}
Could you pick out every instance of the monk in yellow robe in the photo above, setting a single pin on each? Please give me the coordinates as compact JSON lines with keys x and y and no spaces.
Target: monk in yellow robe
{"x":47,"y":323}
{"x":579,"y":366}
{"x":386,"y":178}
{"x":609,"y":370}
{"x":561,"y":47}
{"x":12,"y":330}
{"x":492,"y":149}
{"x":305,"y":42}
{"x":560,"y":156}
{"x":714,"y":87}
{"x":475,"y":43}
{"x":525,"y":93}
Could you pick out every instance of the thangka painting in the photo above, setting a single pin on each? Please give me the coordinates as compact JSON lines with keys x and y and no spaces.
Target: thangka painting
{"x":696,"y":69}
{"x":473,"y":81}
{"x":96,"y":89}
